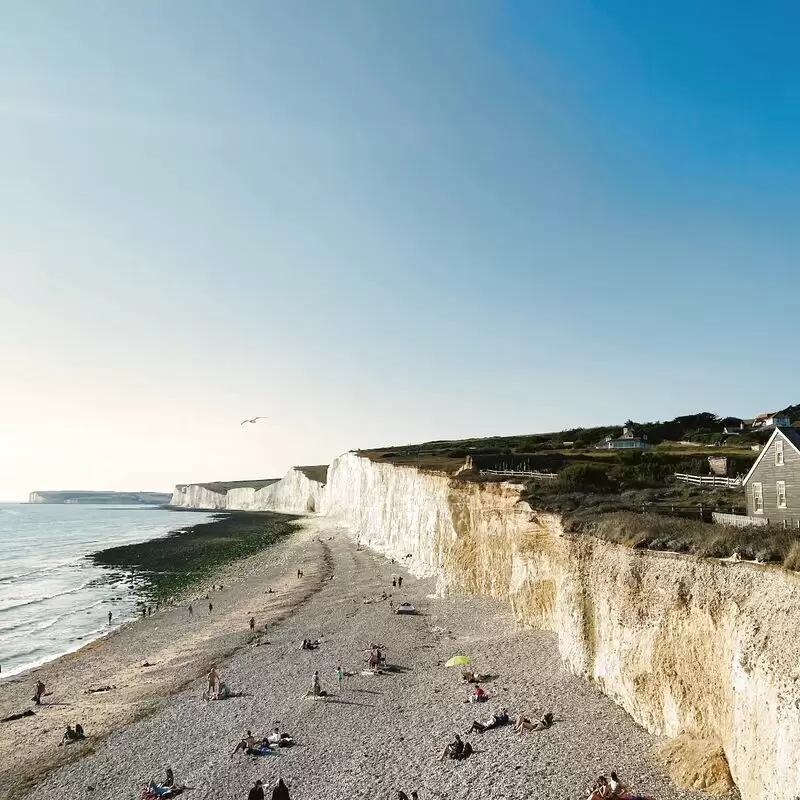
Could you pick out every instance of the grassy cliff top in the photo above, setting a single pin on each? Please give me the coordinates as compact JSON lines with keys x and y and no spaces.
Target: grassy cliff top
{"x":223,"y":486}
{"x":317,"y":473}
{"x":693,"y":435}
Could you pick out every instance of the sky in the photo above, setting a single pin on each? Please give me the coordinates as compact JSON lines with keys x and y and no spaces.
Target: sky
{"x":379,"y":222}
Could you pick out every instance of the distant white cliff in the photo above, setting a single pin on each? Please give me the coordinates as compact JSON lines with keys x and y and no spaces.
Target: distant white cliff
{"x":298,"y":492}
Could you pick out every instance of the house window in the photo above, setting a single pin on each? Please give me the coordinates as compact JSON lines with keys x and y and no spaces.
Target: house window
{"x":758,"y":499}
{"x":779,"y":453}
{"x":780,"y":490}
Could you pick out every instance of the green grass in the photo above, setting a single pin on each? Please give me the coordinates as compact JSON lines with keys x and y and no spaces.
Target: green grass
{"x":318,"y":473}
{"x":191,"y":557}
{"x":702,"y":428}
{"x":223,"y":486}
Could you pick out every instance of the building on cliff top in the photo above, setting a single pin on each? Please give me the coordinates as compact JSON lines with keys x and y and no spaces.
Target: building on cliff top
{"x":773,"y":484}
{"x":769,"y":421}
{"x":629,"y":440}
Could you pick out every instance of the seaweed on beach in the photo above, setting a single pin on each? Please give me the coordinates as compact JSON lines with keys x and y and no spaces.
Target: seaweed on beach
{"x":190,"y":557}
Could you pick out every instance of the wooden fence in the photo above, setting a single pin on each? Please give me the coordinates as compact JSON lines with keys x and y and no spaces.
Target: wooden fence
{"x":738,"y":520}
{"x":518,"y":473}
{"x":709,"y":480}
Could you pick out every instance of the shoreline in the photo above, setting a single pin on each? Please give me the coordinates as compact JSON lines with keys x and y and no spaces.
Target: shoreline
{"x":178,"y":647}
{"x":146,"y":592}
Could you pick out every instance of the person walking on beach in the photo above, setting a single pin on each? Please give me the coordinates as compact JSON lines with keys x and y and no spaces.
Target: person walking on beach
{"x":257,"y":792}
{"x":38,"y":693}
{"x":191,"y":610}
{"x":252,"y":623}
{"x":394,"y":582}
{"x":210,"y":607}
{"x":399,"y":581}
{"x":339,"y":677}
{"x":109,"y":617}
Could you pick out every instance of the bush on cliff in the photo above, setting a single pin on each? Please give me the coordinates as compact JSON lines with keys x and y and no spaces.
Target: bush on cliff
{"x":586,"y":478}
{"x":654,"y":532}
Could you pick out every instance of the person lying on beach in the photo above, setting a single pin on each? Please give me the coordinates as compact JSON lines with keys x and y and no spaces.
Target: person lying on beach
{"x":280,"y":739}
{"x":72,"y":735}
{"x":13,"y":717}
{"x":478,"y":695}
{"x":155,"y":791}
{"x":471,"y":677}
{"x":601,"y":789}
{"x":100,"y":689}
{"x":524,"y":724}
{"x":309,"y":645}
{"x":497,"y":720}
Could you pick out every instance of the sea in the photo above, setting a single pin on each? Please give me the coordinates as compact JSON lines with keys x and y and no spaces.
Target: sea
{"x":53,"y":598}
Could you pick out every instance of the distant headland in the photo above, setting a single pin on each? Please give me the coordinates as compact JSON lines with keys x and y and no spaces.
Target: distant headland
{"x":90,"y":498}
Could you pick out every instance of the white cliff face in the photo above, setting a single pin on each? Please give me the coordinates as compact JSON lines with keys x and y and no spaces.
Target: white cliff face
{"x":396,"y":510}
{"x":195,"y":495}
{"x":685,"y":645}
{"x":295,"y":493}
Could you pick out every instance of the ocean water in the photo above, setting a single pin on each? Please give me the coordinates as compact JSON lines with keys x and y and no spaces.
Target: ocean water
{"x":53,"y":599}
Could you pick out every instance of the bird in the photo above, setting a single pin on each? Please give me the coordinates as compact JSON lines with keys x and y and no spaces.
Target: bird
{"x":252,"y":421}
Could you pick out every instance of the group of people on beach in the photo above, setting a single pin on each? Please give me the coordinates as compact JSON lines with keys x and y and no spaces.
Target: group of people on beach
{"x":254,"y":746}
{"x":604,"y":788}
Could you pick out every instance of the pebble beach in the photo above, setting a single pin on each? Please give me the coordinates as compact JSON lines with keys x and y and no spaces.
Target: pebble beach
{"x":371,"y":737}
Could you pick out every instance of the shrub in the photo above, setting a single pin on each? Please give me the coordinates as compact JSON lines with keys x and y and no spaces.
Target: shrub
{"x":792,"y":560}
{"x":585,"y":477}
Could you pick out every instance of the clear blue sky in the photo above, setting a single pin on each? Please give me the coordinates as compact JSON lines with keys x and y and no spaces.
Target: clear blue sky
{"x":380,"y":222}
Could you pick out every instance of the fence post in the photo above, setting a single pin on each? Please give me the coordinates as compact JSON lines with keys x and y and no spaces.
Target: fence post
{"x":701,"y":512}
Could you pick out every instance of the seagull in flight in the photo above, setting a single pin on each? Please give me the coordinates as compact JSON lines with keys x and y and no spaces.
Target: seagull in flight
{"x":252,"y":421}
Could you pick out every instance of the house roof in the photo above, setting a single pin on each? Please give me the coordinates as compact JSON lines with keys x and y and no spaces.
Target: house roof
{"x":788,"y":434}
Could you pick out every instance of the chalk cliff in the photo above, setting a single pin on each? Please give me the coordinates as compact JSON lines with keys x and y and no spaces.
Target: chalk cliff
{"x":298,"y":492}
{"x":686,"y":646}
